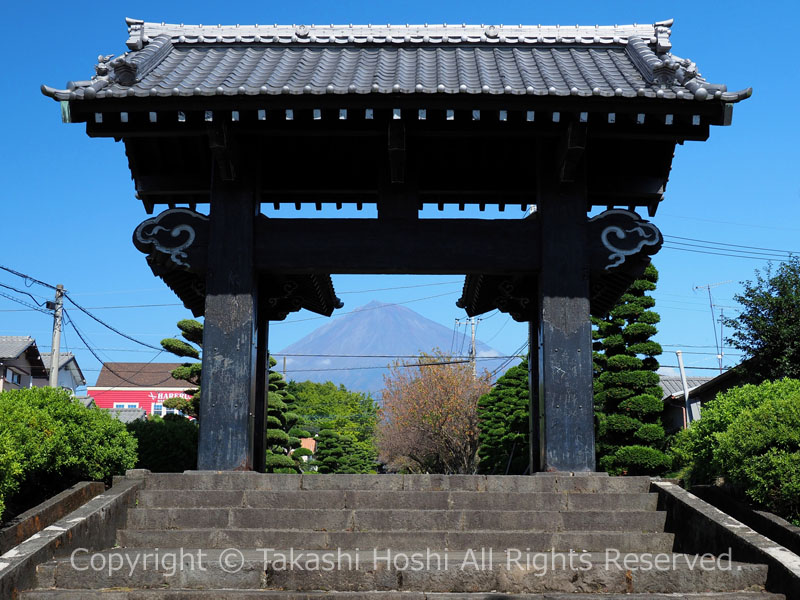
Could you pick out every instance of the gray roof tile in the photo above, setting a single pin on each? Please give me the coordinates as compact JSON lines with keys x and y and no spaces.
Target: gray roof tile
{"x":128,"y":415}
{"x":674,"y":385}
{"x":188,"y":60}
{"x":63,"y":359}
{"x":11,"y":346}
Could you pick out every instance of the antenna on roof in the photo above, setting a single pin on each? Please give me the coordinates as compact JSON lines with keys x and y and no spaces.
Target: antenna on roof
{"x":720,"y":343}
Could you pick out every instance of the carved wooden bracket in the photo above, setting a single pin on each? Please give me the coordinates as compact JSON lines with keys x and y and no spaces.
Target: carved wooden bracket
{"x":176,"y":244}
{"x":617,"y":237}
{"x":180,"y":235}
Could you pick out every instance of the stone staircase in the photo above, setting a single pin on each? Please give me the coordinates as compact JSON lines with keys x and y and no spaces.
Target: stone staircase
{"x":203,"y":535}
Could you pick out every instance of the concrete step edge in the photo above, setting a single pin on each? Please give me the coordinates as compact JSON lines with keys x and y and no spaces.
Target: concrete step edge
{"x":261,"y":594}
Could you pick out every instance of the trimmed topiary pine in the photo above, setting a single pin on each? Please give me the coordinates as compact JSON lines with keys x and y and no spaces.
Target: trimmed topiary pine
{"x":284,"y":428}
{"x":338,"y":453}
{"x":503,"y":414}
{"x":627,"y":397}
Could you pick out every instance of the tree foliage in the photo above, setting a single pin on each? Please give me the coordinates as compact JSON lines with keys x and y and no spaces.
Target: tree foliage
{"x":325,"y":406}
{"x":750,"y":437}
{"x":284,"y":427}
{"x":337,"y":453}
{"x":503,"y":413}
{"x":167,"y":445}
{"x":429,"y":419}
{"x":767,"y":330}
{"x":628,"y":405}
{"x":328,"y":406}
{"x":192,"y":333}
{"x":49,"y":441}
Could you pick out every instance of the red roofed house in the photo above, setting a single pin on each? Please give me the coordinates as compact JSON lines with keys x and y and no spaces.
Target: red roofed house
{"x":138,"y":385}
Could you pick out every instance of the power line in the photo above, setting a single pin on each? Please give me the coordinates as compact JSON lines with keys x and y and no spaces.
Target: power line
{"x":698,"y":368}
{"x":727,"y":248}
{"x":31,"y":296}
{"x":399,"y":287}
{"x":693,"y":219}
{"x":670,"y":247}
{"x":677,"y":237}
{"x":111,"y":327}
{"x":415,"y":356}
{"x":496,"y":333}
{"x":105,"y":365}
{"x":23,"y":303}
{"x":27,"y":277}
{"x":404,"y":366}
{"x":364,"y":309}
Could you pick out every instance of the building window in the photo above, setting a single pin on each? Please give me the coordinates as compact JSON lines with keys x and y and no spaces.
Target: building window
{"x":13,"y":377}
{"x":159,"y":409}
{"x":126,"y":405}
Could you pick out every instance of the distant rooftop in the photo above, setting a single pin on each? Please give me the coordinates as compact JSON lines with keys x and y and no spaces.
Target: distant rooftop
{"x":674,"y":385}
{"x":11,"y":346}
{"x":128,"y":415}
{"x":146,"y":375}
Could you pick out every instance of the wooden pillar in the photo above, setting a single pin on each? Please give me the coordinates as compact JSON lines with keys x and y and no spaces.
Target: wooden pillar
{"x":228,"y":382}
{"x":535,"y":414}
{"x":566,"y":436}
{"x":262,"y":391}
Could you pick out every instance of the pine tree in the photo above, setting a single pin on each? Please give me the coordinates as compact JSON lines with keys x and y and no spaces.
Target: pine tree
{"x":284,"y":427}
{"x":503,"y":414}
{"x":627,"y":397}
{"x":192,"y":333}
{"x":337,"y":453}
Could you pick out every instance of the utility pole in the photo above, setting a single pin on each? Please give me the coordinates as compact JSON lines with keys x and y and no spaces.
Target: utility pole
{"x":687,"y":408}
{"x":721,"y":354}
{"x":55,"y":358}
{"x":473,"y":321}
{"x":713,"y":318}
{"x":472,"y":353}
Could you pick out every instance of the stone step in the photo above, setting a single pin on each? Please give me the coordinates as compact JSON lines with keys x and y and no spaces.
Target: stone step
{"x":626,"y":541}
{"x":395,"y":520}
{"x":209,"y":480}
{"x":431,"y":500}
{"x":258,"y":594}
{"x":306,"y":571}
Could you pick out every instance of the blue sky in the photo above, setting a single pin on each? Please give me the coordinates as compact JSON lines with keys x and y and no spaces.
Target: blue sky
{"x":68,"y":207}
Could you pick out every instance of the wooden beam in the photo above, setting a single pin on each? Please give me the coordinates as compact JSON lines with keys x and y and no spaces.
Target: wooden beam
{"x":262,"y":389}
{"x":566,"y":435}
{"x":536,"y":456}
{"x":228,"y":381}
{"x":424,"y":246}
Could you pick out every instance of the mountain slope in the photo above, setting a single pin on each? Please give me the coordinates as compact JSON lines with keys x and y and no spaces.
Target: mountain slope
{"x":373,"y":329}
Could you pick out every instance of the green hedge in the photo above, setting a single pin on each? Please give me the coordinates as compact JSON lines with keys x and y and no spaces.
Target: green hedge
{"x":750,"y":436}
{"x":167,"y":445}
{"x":760,"y":453}
{"x":49,"y":441}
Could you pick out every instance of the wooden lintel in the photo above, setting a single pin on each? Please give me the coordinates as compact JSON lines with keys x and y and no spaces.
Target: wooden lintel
{"x":424,"y":246}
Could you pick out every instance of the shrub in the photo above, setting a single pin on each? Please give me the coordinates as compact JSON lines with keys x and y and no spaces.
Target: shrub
{"x":696,"y":448}
{"x":51,"y":441}
{"x":642,"y":460}
{"x":10,"y":469}
{"x":760,"y":452}
{"x":503,"y":413}
{"x":627,"y":397}
{"x":167,"y":445}
{"x":337,"y":453}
